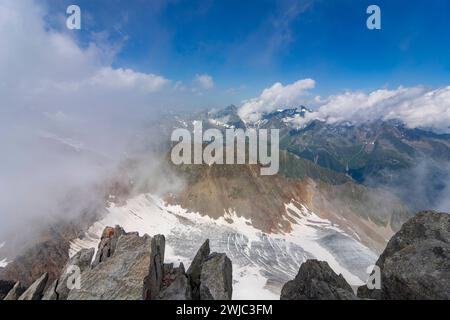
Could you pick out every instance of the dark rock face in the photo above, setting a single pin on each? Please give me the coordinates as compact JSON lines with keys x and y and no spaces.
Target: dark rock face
{"x":5,"y":287}
{"x":170,"y":274}
{"x":317,"y":281}
{"x":179,"y":289}
{"x":216,"y":278}
{"x":195,"y":269}
{"x":153,"y":282}
{"x":50,"y":293}
{"x":36,"y":290}
{"x":15,"y":292}
{"x":364,"y":292}
{"x":213,"y":272}
{"x":416,"y":261}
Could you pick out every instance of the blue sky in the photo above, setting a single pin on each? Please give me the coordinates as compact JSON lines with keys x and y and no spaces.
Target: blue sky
{"x":100,"y":89}
{"x":246,"y":46}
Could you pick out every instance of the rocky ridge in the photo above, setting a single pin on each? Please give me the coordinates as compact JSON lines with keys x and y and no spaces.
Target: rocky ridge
{"x":414,"y":266}
{"x":127,"y":266}
{"x":317,"y":281}
{"x":416,"y":262}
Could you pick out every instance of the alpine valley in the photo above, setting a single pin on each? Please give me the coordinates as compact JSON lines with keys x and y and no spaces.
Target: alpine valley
{"x":343,"y":190}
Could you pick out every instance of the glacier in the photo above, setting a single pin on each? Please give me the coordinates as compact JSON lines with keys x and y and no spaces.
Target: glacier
{"x":262,"y":262}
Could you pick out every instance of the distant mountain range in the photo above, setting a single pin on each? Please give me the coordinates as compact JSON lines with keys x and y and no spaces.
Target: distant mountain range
{"x":412,"y":163}
{"x":341,"y":193}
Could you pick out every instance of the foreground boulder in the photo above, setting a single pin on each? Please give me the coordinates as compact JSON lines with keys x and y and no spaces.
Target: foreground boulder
{"x":195,"y":269}
{"x":317,"y":281}
{"x":153,"y":282}
{"x":178,"y":289}
{"x":130,"y":267}
{"x":121,"y":275}
{"x":175,"y":284}
{"x":59,"y":289}
{"x":36,"y":290}
{"x":5,"y":287}
{"x":216,"y":278}
{"x":416,"y":261}
{"x":16,"y":291}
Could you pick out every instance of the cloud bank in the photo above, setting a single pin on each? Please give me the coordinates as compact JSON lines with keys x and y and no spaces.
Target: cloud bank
{"x":416,"y":107}
{"x":68,"y":118}
{"x":275,"y":97}
{"x":204,"y":81}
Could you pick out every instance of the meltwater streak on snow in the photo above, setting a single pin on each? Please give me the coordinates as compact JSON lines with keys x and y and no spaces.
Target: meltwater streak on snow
{"x":305,"y":233}
{"x":261,"y":263}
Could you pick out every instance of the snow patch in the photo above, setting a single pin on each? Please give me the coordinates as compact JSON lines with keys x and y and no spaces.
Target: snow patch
{"x":221,"y":123}
{"x":249,"y":283}
{"x":3,"y":262}
{"x":305,"y":233}
{"x":257,"y":257}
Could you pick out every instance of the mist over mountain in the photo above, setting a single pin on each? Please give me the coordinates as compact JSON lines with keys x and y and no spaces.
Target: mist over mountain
{"x":86,"y":118}
{"x":410,"y":162}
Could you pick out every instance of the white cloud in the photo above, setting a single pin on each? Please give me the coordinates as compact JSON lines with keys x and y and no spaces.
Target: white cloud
{"x":275,"y":97}
{"x":47,"y":63}
{"x":417,"y":107}
{"x":67,"y":117}
{"x":127,"y":79}
{"x":179,"y":86}
{"x":204,"y":81}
